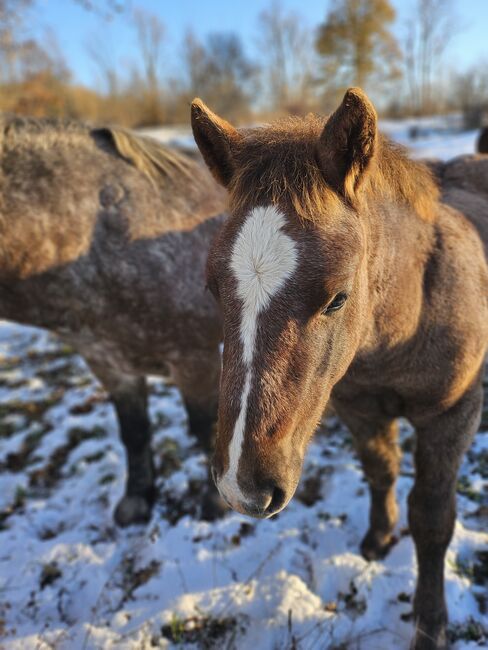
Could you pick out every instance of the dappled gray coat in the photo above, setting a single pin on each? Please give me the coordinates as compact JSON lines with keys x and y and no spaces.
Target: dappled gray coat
{"x":103,"y":240}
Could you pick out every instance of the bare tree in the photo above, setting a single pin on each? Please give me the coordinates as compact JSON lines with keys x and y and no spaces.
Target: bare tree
{"x":287,"y":58}
{"x":193,"y":55}
{"x":470,"y":94}
{"x":150,"y":37}
{"x":150,"y":34}
{"x":13,"y":41}
{"x":429,"y":32}
{"x":101,"y":54}
{"x":105,"y":8}
{"x":220,"y":72}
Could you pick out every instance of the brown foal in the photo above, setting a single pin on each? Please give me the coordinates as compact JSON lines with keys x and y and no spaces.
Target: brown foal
{"x":342,"y":276}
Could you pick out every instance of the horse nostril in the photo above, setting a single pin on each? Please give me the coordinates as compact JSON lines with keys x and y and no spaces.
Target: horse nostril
{"x":277,"y":500}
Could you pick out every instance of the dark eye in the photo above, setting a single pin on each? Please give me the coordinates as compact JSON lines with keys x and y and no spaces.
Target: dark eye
{"x":337,"y":303}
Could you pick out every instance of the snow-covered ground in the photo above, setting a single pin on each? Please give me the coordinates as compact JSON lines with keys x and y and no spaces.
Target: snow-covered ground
{"x":71,"y":580}
{"x":436,"y":137}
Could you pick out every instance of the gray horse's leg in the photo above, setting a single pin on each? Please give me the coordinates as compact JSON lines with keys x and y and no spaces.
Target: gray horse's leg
{"x":135,"y":431}
{"x":375,"y":440}
{"x":441,"y":444}
{"x":129,"y":396}
{"x":198,"y":378}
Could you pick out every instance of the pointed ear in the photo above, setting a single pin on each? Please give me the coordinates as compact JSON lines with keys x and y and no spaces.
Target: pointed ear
{"x":348,"y":143}
{"x":217,"y":141}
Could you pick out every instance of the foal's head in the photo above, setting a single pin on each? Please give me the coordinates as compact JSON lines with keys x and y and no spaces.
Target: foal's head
{"x":289,"y":271}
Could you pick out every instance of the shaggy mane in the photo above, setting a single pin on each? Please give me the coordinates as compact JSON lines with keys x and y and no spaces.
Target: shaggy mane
{"x":279,"y":163}
{"x":149,"y":156}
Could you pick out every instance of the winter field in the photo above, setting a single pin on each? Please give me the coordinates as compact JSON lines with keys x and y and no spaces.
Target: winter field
{"x":71,"y":580}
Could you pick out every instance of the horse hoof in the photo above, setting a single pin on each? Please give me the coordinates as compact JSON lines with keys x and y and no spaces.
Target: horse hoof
{"x":132,"y":510}
{"x":376,"y":546}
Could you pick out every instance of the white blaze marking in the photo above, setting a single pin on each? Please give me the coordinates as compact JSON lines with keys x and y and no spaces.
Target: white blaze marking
{"x":263,"y":258}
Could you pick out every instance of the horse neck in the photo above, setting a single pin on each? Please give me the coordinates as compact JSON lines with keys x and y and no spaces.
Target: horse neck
{"x":399,"y":246}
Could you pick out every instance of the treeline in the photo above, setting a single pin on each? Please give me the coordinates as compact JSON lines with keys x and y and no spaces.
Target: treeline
{"x":295,"y":67}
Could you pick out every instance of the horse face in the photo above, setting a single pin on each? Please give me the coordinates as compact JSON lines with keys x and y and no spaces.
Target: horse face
{"x":289,"y":272}
{"x":289,"y":299}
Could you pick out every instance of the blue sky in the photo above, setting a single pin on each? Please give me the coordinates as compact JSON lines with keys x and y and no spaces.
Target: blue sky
{"x":74,"y":27}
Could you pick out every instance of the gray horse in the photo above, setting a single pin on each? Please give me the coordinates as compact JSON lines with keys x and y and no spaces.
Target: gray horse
{"x":103,"y":240}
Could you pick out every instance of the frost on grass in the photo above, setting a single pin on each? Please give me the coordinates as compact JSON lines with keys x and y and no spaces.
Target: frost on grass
{"x":70,"y":579}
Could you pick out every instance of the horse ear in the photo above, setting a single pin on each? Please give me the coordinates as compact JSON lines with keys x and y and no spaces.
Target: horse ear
{"x":348,"y":142}
{"x":216,"y":139}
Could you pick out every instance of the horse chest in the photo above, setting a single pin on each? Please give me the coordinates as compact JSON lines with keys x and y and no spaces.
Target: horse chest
{"x":368,"y":402}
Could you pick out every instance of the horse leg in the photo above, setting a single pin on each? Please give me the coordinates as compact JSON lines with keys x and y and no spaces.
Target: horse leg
{"x":376,"y":445}
{"x":441,"y":443}
{"x":128,"y":394}
{"x":135,"y":431}
{"x":198,"y":378}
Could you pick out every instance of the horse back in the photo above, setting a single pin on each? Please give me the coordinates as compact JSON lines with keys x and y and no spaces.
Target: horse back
{"x":464,"y":182}
{"x":64,"y":185}
{"x":99,"y":226}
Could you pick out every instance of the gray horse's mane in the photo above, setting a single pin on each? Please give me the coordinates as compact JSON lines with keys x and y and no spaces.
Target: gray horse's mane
{"x":151,"y":157}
